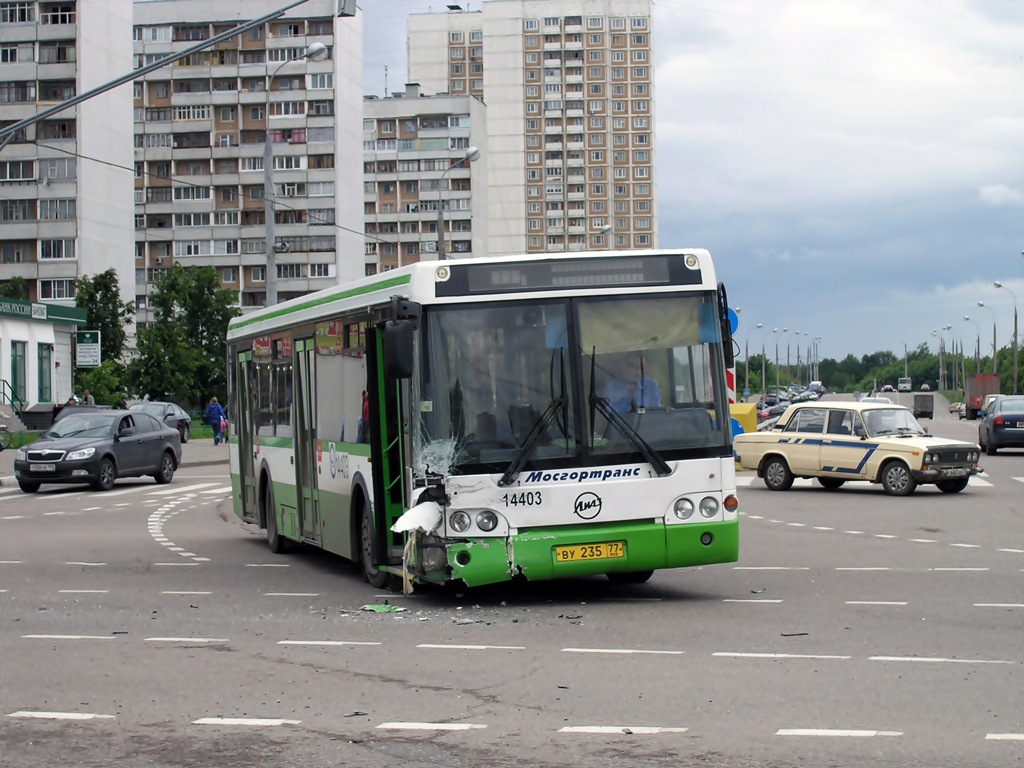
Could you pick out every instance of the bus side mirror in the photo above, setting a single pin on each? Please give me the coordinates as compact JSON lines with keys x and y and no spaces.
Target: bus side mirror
{"x":398,"y":349}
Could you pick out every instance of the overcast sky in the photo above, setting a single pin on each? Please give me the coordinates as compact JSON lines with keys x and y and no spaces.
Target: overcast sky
{"x":855,"y":167}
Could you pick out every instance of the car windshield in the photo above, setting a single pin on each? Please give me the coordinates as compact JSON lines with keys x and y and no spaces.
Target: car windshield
{"x":892,"y":421}
{"x":85,"y":425}
{"x":155,"y":409}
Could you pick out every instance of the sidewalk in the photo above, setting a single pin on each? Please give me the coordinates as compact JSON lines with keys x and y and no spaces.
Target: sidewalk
{"x":195,"y":453}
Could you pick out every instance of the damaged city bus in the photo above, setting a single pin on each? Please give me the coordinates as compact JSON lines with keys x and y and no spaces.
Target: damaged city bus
{"x":476,"y":421}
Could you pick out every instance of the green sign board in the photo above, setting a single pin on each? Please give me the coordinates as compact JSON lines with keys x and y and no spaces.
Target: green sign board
{"x":87,"y":349}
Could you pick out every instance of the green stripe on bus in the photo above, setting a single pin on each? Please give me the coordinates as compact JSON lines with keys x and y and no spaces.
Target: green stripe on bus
{"x":390,"y":282}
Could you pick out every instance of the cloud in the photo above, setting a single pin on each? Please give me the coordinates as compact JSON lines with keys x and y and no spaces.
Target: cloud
{"x":1000,"y":194}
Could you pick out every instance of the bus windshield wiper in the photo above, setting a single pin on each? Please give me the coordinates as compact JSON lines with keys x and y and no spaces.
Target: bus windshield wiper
{"x":538,"y":428}
{"x":602,"y":406}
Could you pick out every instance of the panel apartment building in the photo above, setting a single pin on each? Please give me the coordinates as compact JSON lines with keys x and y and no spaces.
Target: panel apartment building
{"x":65,"y":181}
{"x":200,"y":130}
{"x":570,"y":119}
{"x":417,"y":180}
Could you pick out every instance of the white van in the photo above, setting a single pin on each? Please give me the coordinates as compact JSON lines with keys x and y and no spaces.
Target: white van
{"x":903,"y":384}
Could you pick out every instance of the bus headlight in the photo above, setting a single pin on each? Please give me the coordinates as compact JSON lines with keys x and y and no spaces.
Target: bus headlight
{"x":487,"y":521}
{"x":709,"y":506}
{"x":459,"y":522}
{"x":683,"y":509}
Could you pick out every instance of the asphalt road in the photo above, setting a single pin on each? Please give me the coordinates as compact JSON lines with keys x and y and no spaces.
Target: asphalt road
{"x":148,"y":627}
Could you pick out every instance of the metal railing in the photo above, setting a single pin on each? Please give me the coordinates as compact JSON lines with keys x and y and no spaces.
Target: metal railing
{"x":8,"y":395}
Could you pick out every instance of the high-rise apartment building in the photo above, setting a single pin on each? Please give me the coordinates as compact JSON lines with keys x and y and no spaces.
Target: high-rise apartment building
{"x":201,"y":127}
{"x":570,"y":118}
{"x":420,"y":189}
{"x":65,"y":181}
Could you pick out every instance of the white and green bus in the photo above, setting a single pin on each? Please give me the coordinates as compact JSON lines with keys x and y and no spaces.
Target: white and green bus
{"x":471,"y":421}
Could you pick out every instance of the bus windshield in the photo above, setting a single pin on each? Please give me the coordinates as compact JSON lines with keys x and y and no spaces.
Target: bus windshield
{"x":569,"y":381}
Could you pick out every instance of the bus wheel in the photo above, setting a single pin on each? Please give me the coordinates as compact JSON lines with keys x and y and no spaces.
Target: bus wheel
{"x":632,"y":577}
{"x":277,"y":543}
{"x":377,"y":578}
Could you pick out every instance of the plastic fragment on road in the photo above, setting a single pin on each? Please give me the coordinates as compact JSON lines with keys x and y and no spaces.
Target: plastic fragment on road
{"x":382,"y":608}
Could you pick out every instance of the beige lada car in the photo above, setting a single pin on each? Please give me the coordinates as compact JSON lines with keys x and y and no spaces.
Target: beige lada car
{"x":841,"y":441}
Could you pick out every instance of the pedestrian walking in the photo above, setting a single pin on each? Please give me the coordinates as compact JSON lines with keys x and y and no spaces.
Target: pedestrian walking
{"x":216,"y":417}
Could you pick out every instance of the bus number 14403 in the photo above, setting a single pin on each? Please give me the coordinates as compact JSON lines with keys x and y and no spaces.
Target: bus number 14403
{"x":522,"y":499}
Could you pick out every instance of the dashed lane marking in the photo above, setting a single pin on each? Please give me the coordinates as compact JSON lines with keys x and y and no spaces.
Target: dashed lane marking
{"x":848,"y":733}
{"x":999,"y":605}
{"x":291,"y":594}
{"x":748,"y":600}
{"x":937,"y":660}
{"x":325,"y":643}
{"x":83,"y":591}
{"x":769,"y":568}
{"x":738,"y":655}
{"x":621,"y":729}
{"x":874,"y":602}
{"x":436,"y":647}
{"x":68,"y":637}
{"x":433,"y":726}
{"x":206,"y":640}
{"x":61,"y":715}
{"x":86,"y":565}
{"x":181,"y":490}
{"x":249,"y":721}
{"x":621,"y":651}
{"x":182,"y":592}
{"x":1005,"y":736}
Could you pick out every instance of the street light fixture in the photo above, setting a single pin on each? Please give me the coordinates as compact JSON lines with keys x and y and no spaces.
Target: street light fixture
{"x":471,"y":154}
{"x":776,"y":330}
{"x":746,"y":354}
{"x":998,"y":284}
{"x":977,"y":343}
{"x":991,"y":312}
{"x":315,"y":52}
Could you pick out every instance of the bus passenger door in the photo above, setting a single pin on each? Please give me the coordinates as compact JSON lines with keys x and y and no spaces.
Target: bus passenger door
{"x":245,"y":372}
{"x":387,"y":451}
{"x":306,"y":449}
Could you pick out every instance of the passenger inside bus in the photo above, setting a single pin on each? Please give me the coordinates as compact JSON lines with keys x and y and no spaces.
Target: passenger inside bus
{"x":631,"y":387}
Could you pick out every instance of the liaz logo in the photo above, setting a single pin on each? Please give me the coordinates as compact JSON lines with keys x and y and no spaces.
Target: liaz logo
{"x":587,"y":506}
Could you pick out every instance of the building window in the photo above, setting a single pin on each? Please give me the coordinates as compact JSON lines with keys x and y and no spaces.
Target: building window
{"x":44,"y":370}
{"x":54,"y":290}
{"x":56,"y":249}
{"x":17,"y":13}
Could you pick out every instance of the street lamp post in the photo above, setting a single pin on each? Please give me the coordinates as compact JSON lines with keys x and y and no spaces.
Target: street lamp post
{"x":991,"y":312}
{"x":746,"y":355}
{"x":977,"y":343}
{"x":776,"y":330}
{"x":998,"y":284}
{"x":471,"y":154}
{"x":315,"y":52}
{"x":817,"y":359}
{"x":789,"y":371}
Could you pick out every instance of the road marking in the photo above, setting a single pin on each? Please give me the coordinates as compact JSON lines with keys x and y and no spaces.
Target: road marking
{"x":965,"y":546}
{"x":865,"y":568}
{"x":256,"y":721}
{"x":797,"y":525}
{"x":91,"y":509}
{"x":1014,"y":551}
{"x":186,"y":640}
{"x":181,"y":564}
{"x":173,"y":592}
{"x":936,"y":660}
{"x":1005,"y":736}
{"x":13,"y":517}
{"x":267,"y":565}
{"x":86,"y":565}
{"x":749,"y":600}
{"x":855,"y":533}
{"x":621,"y":651}
{"x":224,"y":489}
{"x":769,"y":568}
{"x":999,"y":605}
{"x":978,"y":482}
{"x":58,"y":514}
{"x":958,"y":569}
{"x":125,"y":491}
{"x":873,"y":602}
{"x":884,"y":536}
{"x":67,"y":637}
{"x":11,"y":562}
{"x":183,"y":489}
{"x":473,"y":647}
{"x":924,"y":541}
{"x":324,"y":642}
{"x":823,"y":528}
{"x":620,"y":729}
{"x":834,"y":732}
{"x":738,"y":655}
{"x":433,"y":726}
{"x":83,"y":591}
{"x":291,"y":594}
{"x":61,"y":715}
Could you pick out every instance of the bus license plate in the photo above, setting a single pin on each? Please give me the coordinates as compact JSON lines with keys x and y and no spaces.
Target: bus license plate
{"x":41,"y":467}
{"x":954,"y":472}
{"x":606,"y":550}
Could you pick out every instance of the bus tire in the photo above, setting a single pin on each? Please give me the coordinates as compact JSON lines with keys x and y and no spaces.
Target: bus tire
{"x":376,"y":578}
{"x":278,"y":544}
{"x":629,"y":577}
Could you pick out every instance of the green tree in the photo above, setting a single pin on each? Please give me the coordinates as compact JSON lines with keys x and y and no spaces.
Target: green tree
{"x":100,"y":297}
{"x":14,"y":288}
{"x":182,"y":352}
{"x":105,"y":383}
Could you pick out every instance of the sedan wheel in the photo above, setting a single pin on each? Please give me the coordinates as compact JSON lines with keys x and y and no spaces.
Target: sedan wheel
{"x":166,"y":471}
{"x":777,"y":475}
{"x":107,"y":476}
{"x":28,"y":487}
{"x":897,"y":480}
{"x":952,"y":486}
{"x":186,"y":433}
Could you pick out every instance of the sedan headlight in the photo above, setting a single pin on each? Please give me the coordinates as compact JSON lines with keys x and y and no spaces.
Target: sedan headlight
{"x":84,"y":453}
{"x":21,"y":455}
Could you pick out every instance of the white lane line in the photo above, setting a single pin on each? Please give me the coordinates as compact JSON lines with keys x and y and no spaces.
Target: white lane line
{"x":67,"y":637}
{"x":181,"y":564}
{"x":924,"y":541}
{"x":823,"y":528}
{"x":620,"y":729}
{"x":83,"y":591}
{"x":768,"y":568}
{"x":965,"y":546}
{"x":621,"y":651}
{"x":61,"y":715}
{"x":91,"y":509}
{"x":58,"y":514}
{"x":1005,"y":736}
{"x":224,"y":489}
{"x":797,"y":525}
{"x":979,"y":482}
{"x":125,"y":504}
{"x":182,"y":592}
{"x":737,"y":600}
{"x":834,"y":732}
{"x":267,"y":565}
{"x":884,"y":536}
{"x":958,"y":569}
{"x":937,"y":660}
{"x":86,"y":565}
{"x":1014,"y":551}
{"x":328,"y":643}
{"x":999,"y":605}
{"x":181,"y":490}
{"x":254,"y":721}
{"x":851,"y":568}
{"x":291,"y":594}
{"x":186,"y":640}
{"x":874,"y":602}
{"x":855,"y":533}
{"x":11,"y":562}
{"x":125,"y":491}
{"x":435,"y":647}
{"x":433,"y":726}
{"x":13,"y":517}
{"x":738,"y":655}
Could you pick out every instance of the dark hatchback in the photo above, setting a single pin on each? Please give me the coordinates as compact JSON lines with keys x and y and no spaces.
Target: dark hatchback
{"x":1003,"y":425}
{"x":171,"y":414}
{"x":97,"y":447}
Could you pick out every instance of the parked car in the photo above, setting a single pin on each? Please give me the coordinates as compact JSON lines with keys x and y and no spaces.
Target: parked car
{"x":838,"y":441}
{"x":171,"y":414}
{"x":97,"y":447}
{"x":67,"y":410}
{"x":1003,"y":425}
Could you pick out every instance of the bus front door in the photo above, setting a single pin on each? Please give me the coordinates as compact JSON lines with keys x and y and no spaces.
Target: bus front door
{"x":245,"y":373}
{"x":306,"y":447}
